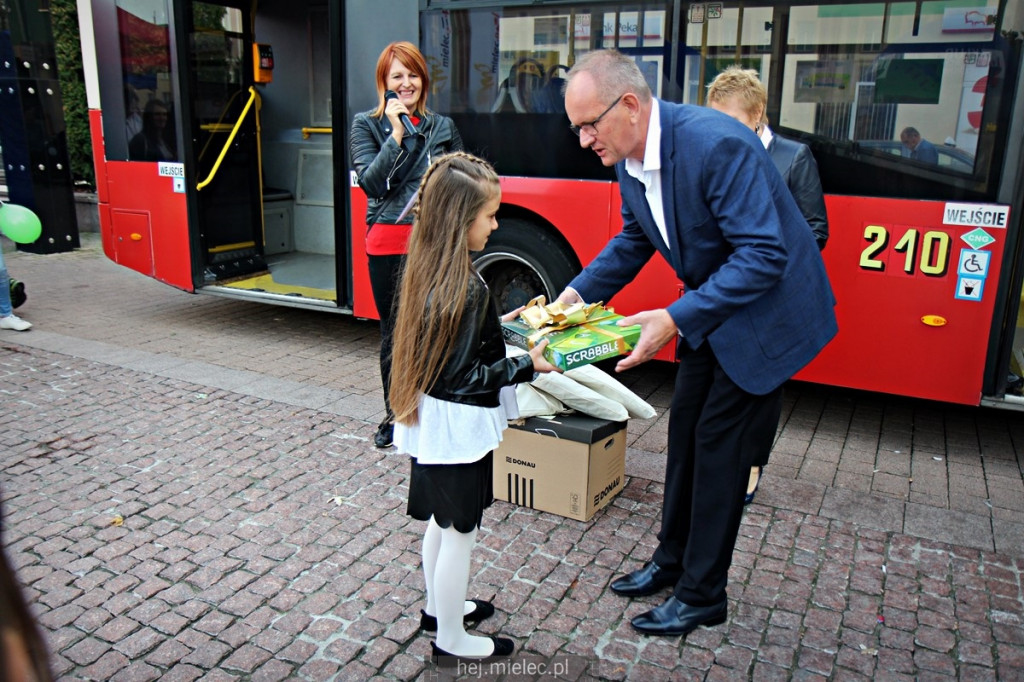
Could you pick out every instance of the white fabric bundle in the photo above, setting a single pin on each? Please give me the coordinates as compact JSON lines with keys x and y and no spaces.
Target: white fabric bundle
{"x":612,"y":388}
{"x":585,"y":389}
{"x":534,"y":403}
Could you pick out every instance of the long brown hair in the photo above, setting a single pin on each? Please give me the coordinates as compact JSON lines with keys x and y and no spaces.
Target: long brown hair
{"x":437,"y":275}
{"x":412,"y":59}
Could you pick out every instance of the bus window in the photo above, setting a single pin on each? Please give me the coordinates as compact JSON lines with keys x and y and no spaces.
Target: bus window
{"x":900,"y":81}
{"x":148,"y":130}
{"x":499,"y":73}
{"x":905,"y":79}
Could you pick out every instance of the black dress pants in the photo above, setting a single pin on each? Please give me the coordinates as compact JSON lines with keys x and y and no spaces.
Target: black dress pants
{"x":706,"y":473}
{"x":385,"y":272}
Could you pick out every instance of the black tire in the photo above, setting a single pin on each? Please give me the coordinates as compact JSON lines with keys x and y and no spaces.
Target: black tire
{"x":522,"y":261}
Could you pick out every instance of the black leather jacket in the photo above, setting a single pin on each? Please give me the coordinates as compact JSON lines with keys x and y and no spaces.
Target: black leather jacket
{"x":796,"y":164}
{"x":477,"y":368}
{"x":390,"y":173}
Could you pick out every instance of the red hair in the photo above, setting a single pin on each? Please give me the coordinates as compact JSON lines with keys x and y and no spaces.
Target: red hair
{"x":412,"y":59}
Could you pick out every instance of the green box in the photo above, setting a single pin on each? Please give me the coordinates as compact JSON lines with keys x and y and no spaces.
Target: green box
{"x":599,"y":338}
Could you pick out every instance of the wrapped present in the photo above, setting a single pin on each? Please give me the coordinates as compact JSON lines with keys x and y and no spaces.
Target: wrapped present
{"x":578,"y":334}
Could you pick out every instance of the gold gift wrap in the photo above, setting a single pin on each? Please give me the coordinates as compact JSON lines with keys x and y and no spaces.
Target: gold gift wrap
{"x":577,"y":335}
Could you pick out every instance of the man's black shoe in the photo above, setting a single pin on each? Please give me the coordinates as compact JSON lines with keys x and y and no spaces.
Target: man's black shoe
{"x":676,"y":618}
{"x":644,"y":581}
{"x":385,"y":435}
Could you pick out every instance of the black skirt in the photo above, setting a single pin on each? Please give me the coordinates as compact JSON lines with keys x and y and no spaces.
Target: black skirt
{"x":452,"y":493}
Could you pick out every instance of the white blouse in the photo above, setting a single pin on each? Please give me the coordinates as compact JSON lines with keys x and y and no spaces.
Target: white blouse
{"x":455,"y":433}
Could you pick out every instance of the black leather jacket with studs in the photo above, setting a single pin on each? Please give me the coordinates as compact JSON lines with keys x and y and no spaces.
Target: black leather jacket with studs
{"x":389,"y":172}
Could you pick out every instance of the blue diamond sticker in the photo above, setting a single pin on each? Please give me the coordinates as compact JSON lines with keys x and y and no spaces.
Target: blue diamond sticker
{"x":978,"y":238}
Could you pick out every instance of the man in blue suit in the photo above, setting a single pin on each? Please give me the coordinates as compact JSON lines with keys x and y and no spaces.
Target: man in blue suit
{"x":916,"y":147}
{"x":698,"y":188}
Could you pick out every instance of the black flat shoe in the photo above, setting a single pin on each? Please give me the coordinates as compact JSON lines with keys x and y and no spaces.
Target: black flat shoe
{"x":646,"y":580}
{"x":753,"y":484}
{"x":503,"y":648}
{"x":677,"y":618}
{"x":385,"y":435}
{"x":483,"y":609}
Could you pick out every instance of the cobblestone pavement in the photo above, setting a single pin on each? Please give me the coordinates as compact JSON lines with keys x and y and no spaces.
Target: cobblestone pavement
{"x":191,"y":492}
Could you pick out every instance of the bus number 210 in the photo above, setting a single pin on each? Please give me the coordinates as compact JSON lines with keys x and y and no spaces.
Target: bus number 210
{"x":927,"y":253}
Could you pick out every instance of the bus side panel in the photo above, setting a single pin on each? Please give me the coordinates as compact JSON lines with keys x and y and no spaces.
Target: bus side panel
{"x":362,"y":295}
{"x":915,"y":299}
{"x":99,"y":159}
{"x":148,"y":231}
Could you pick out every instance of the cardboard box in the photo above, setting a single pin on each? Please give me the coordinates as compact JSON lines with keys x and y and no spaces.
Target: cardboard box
{"x":572,"y":465}
{"x":599,"y":338}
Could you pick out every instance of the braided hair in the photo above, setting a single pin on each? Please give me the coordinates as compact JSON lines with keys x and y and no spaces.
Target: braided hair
{"x":437,"y":275}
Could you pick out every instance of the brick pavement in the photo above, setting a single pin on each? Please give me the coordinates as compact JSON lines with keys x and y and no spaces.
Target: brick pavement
{"x":190,"y":492}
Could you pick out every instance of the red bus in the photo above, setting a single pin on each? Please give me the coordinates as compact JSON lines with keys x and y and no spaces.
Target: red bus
{"x":255,"y":199}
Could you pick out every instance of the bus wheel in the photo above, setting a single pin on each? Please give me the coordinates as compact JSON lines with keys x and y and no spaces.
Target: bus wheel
{"x":521,"y":262}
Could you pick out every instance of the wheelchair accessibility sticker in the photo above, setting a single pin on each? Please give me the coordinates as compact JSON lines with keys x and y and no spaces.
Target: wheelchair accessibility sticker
{"x":974,"y":263}
{"x":971,"y":274}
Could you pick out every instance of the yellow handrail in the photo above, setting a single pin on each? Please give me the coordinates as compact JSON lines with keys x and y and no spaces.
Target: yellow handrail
{"x":306,"y":132}
{"x":253,"y":97}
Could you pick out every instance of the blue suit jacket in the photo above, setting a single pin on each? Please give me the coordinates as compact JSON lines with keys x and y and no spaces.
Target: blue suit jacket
{"x":756,"y":287}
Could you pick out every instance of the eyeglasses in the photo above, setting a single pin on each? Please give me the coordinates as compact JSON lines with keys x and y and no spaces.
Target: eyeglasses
{"x":590,"y":128}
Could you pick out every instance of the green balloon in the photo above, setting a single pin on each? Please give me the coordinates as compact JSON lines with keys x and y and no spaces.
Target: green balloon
{"x":19,"y":224}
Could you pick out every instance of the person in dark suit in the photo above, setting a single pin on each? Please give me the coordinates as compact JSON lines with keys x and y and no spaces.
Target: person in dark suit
{"x":739,"y":93}
{"x":698,"y":188}
{"x":916,"y":147}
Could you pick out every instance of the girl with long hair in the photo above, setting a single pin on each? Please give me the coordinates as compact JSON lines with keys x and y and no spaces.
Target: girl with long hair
{"x":448,"y":391}
{"x":390,"y":160}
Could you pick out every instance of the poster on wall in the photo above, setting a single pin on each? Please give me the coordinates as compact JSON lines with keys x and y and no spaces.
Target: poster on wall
{"x":436,"y":29}
{"x":820,"y":82}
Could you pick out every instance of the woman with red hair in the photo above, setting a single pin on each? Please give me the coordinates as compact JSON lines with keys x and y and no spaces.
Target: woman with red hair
{"x":390,"y":158}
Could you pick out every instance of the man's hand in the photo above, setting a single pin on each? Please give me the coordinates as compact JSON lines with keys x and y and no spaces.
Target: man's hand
{"x":568,"y":297}
{"x":656,"y":329}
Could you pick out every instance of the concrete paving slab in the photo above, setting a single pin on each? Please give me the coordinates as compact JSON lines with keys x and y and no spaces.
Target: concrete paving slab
{"x":1008,"y":537}
{"x":863,"y":509}
{"x":949,"y":526}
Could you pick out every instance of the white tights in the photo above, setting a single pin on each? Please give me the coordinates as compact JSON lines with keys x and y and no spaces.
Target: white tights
{"x":446,"y":571}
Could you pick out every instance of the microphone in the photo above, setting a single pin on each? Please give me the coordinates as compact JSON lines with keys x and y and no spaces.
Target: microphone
{"x":404,"y":118}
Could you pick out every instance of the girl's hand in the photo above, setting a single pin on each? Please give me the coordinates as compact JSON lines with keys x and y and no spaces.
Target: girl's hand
{"x":512,"y":314}
{"x":540,"y":363}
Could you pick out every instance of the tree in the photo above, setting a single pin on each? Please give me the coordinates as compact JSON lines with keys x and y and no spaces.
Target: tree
{"x":64,"y":22}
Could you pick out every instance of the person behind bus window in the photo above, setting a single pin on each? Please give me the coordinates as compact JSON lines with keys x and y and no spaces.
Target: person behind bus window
{"x":451,"y":390}
{"x":389,"y":162}
{"x":133,"y":112}
{"x":739,"y":93}
{"x":916,"y":147}
{"x":152,"y":143}
{"x":699,"y":189}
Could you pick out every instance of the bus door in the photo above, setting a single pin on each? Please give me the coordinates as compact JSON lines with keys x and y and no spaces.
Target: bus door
{"x":223,"y":106}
